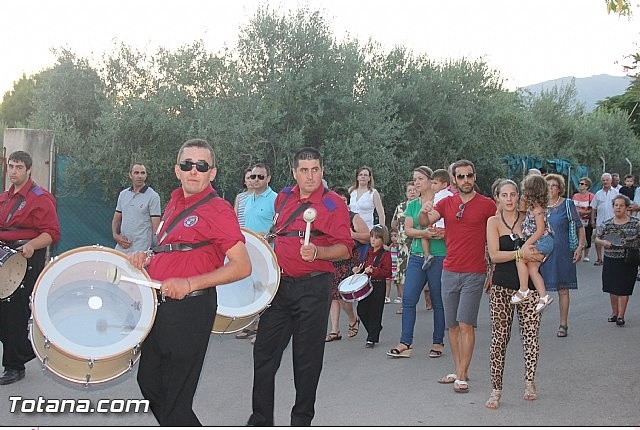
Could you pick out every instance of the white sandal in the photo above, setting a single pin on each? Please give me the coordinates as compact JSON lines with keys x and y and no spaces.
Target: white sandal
{"x":543,"y":302}
{"x":519,"y":296}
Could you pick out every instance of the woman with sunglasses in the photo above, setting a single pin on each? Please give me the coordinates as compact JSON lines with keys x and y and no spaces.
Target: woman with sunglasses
{"x":559,"y":270}
{"x":582,"y":199}
{"x":416,"y":276}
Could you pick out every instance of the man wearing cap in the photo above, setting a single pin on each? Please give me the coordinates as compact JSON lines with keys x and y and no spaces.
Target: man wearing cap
{"x":29,"y":224}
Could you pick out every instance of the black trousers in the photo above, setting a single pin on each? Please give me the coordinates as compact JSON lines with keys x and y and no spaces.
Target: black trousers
{"x":370,"y":310}
{"x":14,"y":317}
{"x":300,"y":310}
{"x":172,"y":356}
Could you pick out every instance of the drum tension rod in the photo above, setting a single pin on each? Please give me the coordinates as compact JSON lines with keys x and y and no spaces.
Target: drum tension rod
{"x":87,"y":378}
{"x":130,"y":365}
{"x":90,"y":363}
{"x":45,"y":360}
{"x":47,"y":343}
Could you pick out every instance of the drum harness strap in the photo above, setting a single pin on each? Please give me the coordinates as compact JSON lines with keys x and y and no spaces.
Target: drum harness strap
{"x":15,"y":207}
{"x":170,"y":247}
{"x":273,"y":232}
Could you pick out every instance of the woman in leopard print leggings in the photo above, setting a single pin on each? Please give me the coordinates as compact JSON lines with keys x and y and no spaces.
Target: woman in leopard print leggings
{"x":504,"y":236}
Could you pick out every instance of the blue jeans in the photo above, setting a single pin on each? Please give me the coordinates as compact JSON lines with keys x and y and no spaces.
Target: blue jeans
{"x":415,"y":279}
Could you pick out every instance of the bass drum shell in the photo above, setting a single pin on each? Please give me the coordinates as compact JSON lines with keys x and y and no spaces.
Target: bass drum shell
{"x":87,"y":329}
{"x":242,"y":301}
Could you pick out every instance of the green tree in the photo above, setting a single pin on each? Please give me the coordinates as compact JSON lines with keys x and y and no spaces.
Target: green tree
{"x":17,"y":104}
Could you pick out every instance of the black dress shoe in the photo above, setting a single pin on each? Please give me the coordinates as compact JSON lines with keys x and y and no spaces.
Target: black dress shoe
{"x":10,"y":376}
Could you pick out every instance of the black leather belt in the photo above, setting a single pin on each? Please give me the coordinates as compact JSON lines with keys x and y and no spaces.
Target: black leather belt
{"x":16,"y":243}
{"x":303,"y":277}
{"x":195,"y":293}
{"x":312,"y":233}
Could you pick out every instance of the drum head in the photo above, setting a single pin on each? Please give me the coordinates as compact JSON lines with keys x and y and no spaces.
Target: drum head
{"x":80,"y":311}
{"x":353,"y":283}
{"x":251,"y":295}
{"x":12,"y":271}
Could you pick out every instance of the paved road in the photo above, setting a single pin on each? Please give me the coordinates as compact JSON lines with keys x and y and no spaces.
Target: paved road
{"x":590,"y":378}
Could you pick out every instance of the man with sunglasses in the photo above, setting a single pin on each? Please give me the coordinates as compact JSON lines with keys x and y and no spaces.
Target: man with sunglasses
{"x":29,"y":224}
{"x":464,"y":269}
{"x":137,"y":213}
{"x":198,"y":230}
{"x":258,"y":216}
{"x":300,"y":308}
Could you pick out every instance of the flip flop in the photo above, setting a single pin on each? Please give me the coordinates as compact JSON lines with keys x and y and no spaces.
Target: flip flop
{"x":449,"y":379}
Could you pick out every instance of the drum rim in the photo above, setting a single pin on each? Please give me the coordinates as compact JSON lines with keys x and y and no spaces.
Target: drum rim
{"x":360,"y":284}
{"x":61,"y":343}
{"x":252,"y":309}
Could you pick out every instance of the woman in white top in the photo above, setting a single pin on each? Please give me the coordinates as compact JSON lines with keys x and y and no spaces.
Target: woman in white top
{"x":364,"y":198}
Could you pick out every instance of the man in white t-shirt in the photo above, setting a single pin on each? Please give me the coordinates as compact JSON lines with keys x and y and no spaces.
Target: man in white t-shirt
{"x":602,"y":205}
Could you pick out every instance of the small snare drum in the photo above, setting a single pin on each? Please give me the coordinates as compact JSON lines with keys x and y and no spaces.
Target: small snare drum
{"x":355,"y":287}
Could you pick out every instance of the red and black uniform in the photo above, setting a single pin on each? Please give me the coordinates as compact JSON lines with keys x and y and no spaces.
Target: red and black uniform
{"x":371,"y":307}
{"x":173,"y":353}
{"x":23,"y":216}
{"x":300,"y":308}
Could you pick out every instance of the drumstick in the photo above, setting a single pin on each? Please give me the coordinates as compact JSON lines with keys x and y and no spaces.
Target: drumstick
{"x":309,"y":216}
{"x":144,"y":282}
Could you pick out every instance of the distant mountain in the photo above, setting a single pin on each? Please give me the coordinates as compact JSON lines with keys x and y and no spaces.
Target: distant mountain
{"x":589,"y":90}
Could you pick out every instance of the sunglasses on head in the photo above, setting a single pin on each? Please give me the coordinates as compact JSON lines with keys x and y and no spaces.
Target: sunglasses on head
{"x":201,"y":166}
{"x":468,"y":175}
{"x":261,"y":177}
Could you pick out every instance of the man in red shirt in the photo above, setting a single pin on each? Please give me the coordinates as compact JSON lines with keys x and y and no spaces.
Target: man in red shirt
{"x":465,"y":268}
{"x":28,"y":223}
{"x":198,"y":230}
{"x":300,"y":308}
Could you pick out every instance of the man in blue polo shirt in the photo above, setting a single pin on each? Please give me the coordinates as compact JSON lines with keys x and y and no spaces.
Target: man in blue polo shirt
{"x":137,"y":213}
{"x":259,"y":209}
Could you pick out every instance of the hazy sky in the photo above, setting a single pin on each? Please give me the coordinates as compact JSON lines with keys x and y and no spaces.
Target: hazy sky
{"x":528,"y":41}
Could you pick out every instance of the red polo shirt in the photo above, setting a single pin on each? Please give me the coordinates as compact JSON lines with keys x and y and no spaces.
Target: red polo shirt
{"x":332,"y":221}
{"x":35,"y":215}
{"x":214,"y":221}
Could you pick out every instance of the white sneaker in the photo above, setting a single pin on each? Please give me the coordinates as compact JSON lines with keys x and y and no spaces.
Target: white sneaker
{"x":387,"y":300}
{"x":586,"y":259}
{"x":398,"y":300}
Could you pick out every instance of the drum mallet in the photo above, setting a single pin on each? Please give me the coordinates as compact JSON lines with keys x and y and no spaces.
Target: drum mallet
{"x":114,"y":276}
{"x":309,"y":216}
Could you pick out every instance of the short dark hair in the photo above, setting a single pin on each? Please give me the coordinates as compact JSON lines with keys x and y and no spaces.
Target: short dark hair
{"x":23,"y":156}
{"x":306,"y":153}
{"x":341,"y":191}
{"x":197,"y":143}
{"x":262,"y":166}
{"x":441,"y":175}
{"x":136,"y":163}
{"x":463,"y":163}
{"x":629,"y":176}
{"x":244,"y":173}
{"x":627,"y":200}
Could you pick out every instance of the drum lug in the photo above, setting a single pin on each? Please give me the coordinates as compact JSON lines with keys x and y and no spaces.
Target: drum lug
{"x":45,"y":361}
{"x":130,"y":365}
{"x":47,"y":343}
{"x":87,"y":378}
{"x":90,"y":364}
{"x":135,"y":349}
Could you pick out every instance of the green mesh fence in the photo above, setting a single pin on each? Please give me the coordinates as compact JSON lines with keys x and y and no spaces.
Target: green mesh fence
{"x":85,"y":219}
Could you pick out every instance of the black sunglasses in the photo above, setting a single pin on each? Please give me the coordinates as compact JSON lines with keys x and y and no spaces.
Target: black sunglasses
{"x":582,"y":183}
{"x":261,"y":177}
{"x":459,"y":214}
{"x":201,"y":166}
{"x":468,"y":176}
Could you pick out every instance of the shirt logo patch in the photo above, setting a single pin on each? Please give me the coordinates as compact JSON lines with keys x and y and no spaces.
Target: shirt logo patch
{"x":190,"y":221}
{"x":22,"y":205}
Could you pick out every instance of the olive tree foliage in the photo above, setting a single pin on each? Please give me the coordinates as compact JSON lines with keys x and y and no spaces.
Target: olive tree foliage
{"x":287,"y":82}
